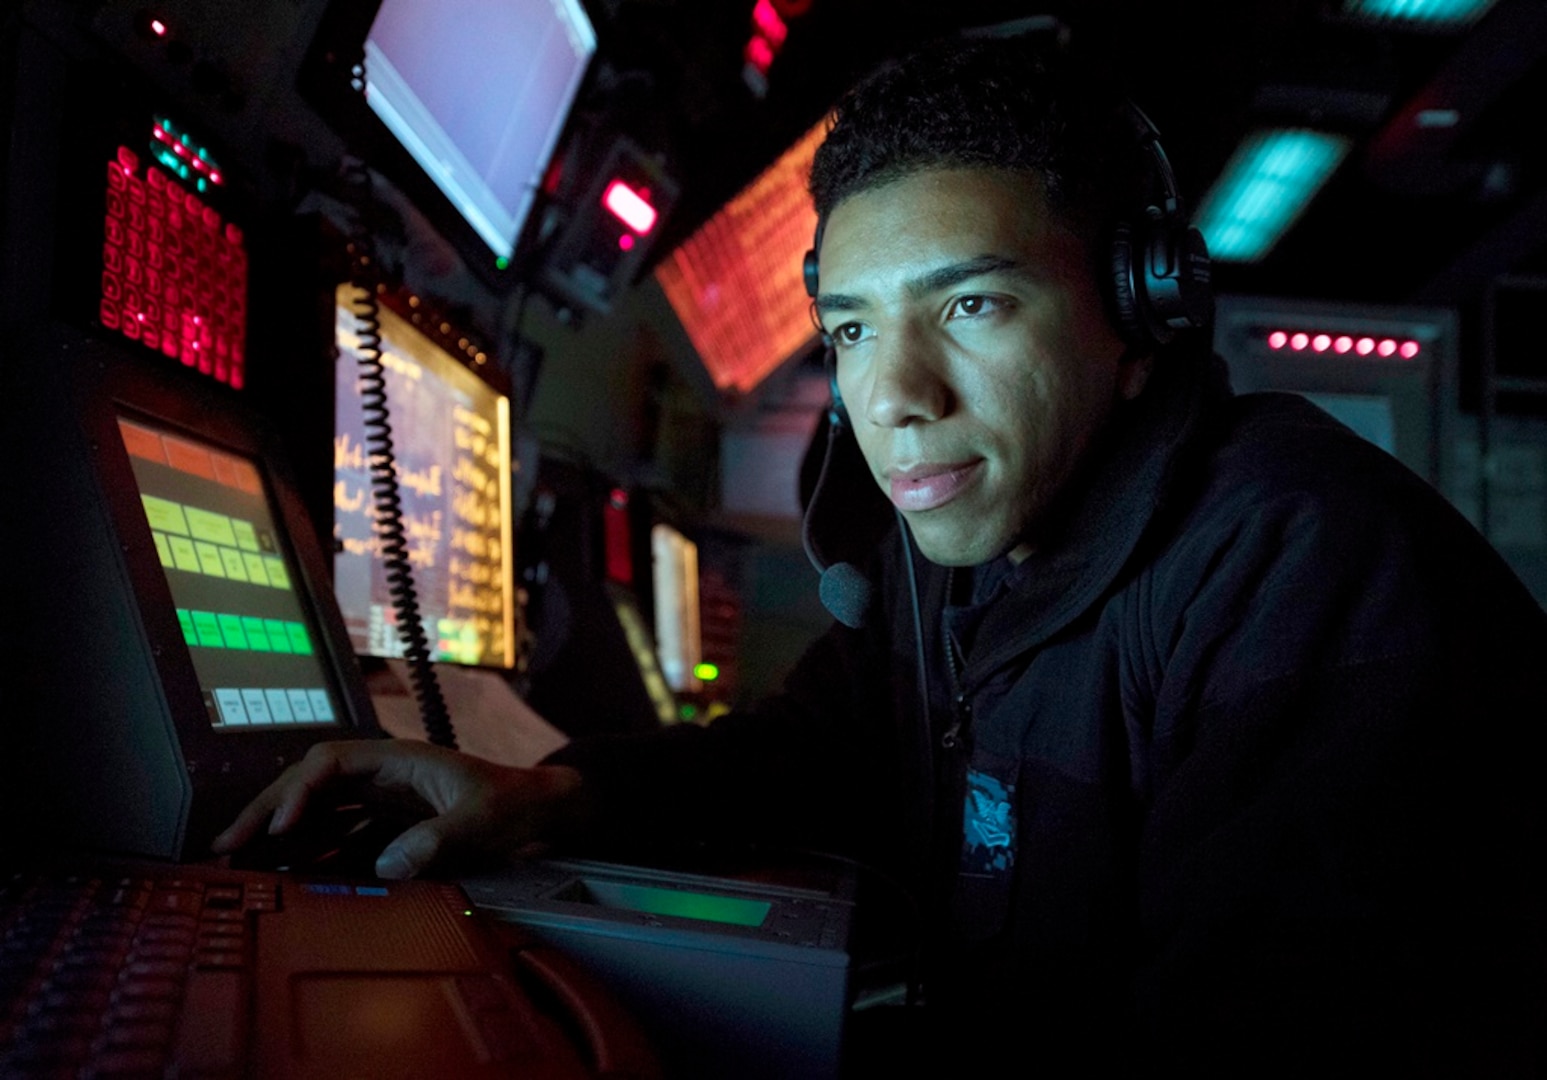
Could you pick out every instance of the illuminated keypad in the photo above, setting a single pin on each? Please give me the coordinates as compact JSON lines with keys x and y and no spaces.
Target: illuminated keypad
{"x":174,"y":274}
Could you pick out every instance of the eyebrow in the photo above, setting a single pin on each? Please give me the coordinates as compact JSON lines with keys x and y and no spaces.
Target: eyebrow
{"x":942,"y":277}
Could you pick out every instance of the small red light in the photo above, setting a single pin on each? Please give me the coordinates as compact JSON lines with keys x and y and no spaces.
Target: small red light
{"x":619,"y":498}
{"x":158,"y":28}
{"x":760,"y":54}
{"x":1409,"y":350}
{"x":626,"y":241}
{"x":1277,"y":339}
{"x":1365,"y":346}
{"x":1387,"y":347}
{"x":1321,"y":342}
{"x":1342,"y":344}
{"x":1299,"y":342}
{"x":628,"y":207}
{"x":768,"y":23}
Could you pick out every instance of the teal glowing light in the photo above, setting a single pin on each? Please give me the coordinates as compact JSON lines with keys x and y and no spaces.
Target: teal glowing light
{"x":1269,"y":180}
{"x":1435,"y":14}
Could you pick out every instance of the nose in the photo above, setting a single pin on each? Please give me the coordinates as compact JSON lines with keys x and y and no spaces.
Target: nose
{"x":905,"y":383}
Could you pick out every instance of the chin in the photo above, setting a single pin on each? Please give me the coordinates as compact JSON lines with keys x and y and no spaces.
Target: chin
{"x":957,"y":550}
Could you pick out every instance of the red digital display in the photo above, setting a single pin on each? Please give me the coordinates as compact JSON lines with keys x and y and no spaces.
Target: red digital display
{"x":174,"y":273}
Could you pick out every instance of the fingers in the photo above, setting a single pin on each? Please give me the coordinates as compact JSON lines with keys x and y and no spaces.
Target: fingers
{"x":282,"y":803}
{"x":412,"y":852}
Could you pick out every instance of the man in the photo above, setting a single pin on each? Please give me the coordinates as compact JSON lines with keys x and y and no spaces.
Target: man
{"x":1204,"y":734}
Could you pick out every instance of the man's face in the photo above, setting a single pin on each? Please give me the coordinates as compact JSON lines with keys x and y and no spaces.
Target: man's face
{"x":974,"y":357}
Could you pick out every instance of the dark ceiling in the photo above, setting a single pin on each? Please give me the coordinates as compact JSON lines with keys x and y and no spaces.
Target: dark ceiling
{"x":1415,"y":214}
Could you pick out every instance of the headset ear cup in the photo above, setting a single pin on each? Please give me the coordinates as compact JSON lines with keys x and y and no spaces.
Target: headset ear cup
{"x":1125,"y":299}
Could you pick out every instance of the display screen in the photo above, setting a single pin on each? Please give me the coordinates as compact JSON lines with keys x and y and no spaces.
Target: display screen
{"x":451,"y":441}
{"x":255,"y":645}
{"x":478,"y":94}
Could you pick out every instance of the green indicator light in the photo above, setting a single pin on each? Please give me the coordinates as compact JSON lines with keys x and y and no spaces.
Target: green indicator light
{"x":300,"y":644}
{"x":190,"y":635}
{"x":502,"y":263}
{"x":649,"y":900}
{"x":706,"y":672}
{"x":687,"y":712}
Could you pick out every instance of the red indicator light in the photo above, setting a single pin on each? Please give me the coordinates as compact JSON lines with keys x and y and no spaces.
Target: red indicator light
{"x":628,"y":207}
{"x":158,"y":28}
{"x":626,"y":241}
{"x":760,"y":54}
{"x":1387,"y":347}
{"x":1342,"y":344}
{"x":1277,"y":339}
{"x":1364,"y":346}
{"x":1409,"y":350}
{"x":1299,"y":342}
{"x":1321,"y":342}
{"x":618,"y":498}
{"x":768,"y":23}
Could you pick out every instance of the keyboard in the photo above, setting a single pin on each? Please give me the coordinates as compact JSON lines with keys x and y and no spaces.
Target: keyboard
{"x":146,"y":970}
{"x":97,"y":971}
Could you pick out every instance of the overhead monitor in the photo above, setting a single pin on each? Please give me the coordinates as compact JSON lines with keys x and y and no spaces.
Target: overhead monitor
{"x":451,"y":438}
{"x":462,"y":104}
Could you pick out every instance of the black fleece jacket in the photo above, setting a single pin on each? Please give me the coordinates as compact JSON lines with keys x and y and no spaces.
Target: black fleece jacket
{"x":1268,"y":716}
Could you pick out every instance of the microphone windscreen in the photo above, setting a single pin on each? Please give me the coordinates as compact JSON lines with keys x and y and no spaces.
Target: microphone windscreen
{"x":845,"y":592}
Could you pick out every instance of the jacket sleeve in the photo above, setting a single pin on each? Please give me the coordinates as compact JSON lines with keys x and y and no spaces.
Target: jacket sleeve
{"x":1341,"y":859}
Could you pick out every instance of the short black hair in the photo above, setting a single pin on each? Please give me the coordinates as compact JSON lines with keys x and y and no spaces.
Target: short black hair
{"x":1024,"y":104}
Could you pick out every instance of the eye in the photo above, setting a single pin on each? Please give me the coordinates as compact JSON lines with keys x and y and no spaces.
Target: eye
{"x":850,"y":333}
{"x":967,"y":307}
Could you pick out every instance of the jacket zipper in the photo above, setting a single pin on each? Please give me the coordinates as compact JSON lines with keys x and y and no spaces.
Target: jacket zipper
{"x":961,"y":707}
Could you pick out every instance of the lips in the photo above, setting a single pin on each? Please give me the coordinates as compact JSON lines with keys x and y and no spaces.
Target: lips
{"x":930,"y":485}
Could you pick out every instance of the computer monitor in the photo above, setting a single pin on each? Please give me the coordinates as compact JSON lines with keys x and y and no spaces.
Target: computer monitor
{"x":461,"y":105}
{"x":674,"y":580}
{"x":183,"y":645}
{"x":451,"y":438}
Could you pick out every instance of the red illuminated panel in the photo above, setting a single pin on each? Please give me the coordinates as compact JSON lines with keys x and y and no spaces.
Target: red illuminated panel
{"x":1320,"y":341}
{"x":174,"y":273}
{"x":616,"y":540}
{"x":190,"y":457}
{"x":736,"y":283}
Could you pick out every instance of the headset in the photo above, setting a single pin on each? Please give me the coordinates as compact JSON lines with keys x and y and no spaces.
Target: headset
{"x":1160,"y":270}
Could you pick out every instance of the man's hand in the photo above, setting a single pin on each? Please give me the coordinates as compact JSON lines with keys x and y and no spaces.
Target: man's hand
{"x":479,"y":808}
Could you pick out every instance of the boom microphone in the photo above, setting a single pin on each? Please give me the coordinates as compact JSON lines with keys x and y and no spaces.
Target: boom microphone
{"x":845,"y":591}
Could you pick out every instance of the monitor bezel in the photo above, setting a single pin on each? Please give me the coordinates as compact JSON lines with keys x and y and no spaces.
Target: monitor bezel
{"x":225,"y":767}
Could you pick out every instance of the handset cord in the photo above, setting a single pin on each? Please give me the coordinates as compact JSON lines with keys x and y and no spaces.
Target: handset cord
{"x":386,"y":496}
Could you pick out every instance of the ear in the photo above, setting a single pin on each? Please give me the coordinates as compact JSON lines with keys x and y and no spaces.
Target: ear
{"x":1133,"y":372}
